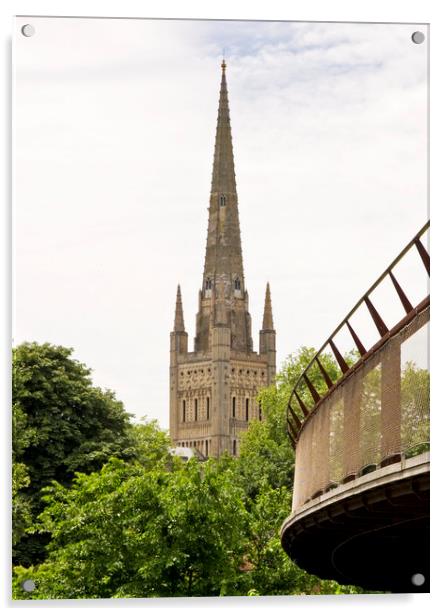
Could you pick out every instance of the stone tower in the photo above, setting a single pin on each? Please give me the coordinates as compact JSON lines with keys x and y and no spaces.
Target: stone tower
{"x":213,"y":389}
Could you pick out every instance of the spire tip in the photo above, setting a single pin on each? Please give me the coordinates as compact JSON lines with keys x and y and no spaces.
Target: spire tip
{"x":179,"y":314}
{"x":268,"y":323}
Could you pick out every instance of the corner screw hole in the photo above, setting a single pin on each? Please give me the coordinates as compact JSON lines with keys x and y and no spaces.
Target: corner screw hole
{"x":418,"y":579}
{"x":418,"y":37}
{"x":28,"y":585}
{"x":28,"y":30}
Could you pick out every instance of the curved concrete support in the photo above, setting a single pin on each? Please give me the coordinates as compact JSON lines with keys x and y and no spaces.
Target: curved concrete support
{"x":372,"y":532}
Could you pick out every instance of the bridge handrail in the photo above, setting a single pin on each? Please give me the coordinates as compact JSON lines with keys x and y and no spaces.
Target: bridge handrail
{"x":294,"y":422}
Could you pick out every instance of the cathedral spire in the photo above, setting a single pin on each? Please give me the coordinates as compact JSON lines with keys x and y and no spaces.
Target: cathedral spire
{"x":223,"y":179}
{"x":268,"y":323}
{"x":223,"y":299}
{"x":223,"y":252}
{"x":179,"y":314}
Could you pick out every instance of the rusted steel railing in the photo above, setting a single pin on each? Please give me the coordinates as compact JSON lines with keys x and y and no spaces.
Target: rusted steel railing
{"x":298,"y":416}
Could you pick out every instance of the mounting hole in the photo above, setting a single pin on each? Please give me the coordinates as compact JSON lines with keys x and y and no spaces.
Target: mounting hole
{"x":418,"y":579}
{"x":418,"y":37}
{"x":28,"y":585}
{"x":28,"y":30}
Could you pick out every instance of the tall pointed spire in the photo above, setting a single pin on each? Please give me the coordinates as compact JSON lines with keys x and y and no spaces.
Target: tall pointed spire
{"x":268,"y":322}
{"x":223,"y":179}
{"x":223,"y":252}
{"x":223,"y":299}
{"x":179,"y":314}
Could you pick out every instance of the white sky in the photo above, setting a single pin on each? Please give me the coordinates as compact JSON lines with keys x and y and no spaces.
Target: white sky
{"x":114,"y":130}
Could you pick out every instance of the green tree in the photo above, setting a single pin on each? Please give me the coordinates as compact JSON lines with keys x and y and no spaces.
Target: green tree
{"x":61,"y":424}
{"x":152,"y":525}
{"x":149,"y":444}
{"x":270,"y":570}
{"x":22,"y":437}
{"x":414,"y":409}
{"x":134,"y":531}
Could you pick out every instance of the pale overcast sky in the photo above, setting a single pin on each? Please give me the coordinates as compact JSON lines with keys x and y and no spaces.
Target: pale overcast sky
{"x":114,"y":131}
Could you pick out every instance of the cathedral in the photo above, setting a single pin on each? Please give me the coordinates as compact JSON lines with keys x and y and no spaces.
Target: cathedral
{"x":213,"y":389}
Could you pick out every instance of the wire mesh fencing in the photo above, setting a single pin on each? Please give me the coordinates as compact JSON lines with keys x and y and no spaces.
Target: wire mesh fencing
{"x":377,"y":411}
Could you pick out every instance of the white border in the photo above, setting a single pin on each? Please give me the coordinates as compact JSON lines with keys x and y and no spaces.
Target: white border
{"x":411,"y":11}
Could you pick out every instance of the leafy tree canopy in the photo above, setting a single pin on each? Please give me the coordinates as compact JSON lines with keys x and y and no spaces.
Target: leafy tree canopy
{"x":153,"y":532}
{"x":61,"y":424}
{"x":151,"y":525}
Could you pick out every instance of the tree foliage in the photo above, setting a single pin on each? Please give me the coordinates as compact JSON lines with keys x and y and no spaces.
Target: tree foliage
{"x":61,"y":424}
{"x":153,"y":532}
{"x":22,"y":437}
{"x":415,"y":409}
{"x":151,"y":525}
{"x":149,"y":444}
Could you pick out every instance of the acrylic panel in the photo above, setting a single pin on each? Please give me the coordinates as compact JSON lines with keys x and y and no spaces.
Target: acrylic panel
{"x":197,"y":205}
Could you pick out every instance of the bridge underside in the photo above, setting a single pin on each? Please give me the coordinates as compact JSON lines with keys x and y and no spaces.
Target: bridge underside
{"x":376,"y":538}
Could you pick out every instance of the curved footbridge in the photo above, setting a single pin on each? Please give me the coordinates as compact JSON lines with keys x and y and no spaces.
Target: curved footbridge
{"x":360,"y":512}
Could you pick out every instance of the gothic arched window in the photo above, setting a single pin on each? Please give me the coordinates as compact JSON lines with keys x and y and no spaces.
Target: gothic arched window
{"x":208,"y":284}
{"x":222,"y":200}
{"x":237,"y":284}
